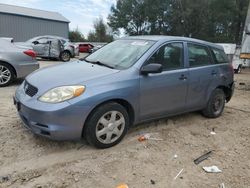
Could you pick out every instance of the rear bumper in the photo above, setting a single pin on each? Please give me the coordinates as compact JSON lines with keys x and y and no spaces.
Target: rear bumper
{"x":24,"y":69}
{"x":231,"y":91}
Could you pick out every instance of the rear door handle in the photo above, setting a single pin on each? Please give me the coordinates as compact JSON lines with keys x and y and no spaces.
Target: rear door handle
{"x":183,"y":77}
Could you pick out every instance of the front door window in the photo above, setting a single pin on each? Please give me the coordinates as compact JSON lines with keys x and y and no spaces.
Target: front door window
{"x":170,"y":56}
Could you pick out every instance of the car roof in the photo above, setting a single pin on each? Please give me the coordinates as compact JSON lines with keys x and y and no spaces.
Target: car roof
{"x":164,"y":38}
{"x":51,"y":36}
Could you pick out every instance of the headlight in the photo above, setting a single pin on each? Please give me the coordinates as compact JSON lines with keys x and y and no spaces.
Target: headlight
{"x":61,"y":94}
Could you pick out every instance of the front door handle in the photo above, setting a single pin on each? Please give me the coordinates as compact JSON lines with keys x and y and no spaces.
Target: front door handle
{"x":182,"y":77}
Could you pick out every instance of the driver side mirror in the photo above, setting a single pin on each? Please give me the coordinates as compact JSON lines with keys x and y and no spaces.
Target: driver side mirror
{"x":151,"y":68}
{"x":35,"y":42}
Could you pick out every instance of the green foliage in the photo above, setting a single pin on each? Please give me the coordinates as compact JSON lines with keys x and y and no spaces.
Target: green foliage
{"x":76,"y":36}
{"x":213,"y":20}
{"x":100,"y":33}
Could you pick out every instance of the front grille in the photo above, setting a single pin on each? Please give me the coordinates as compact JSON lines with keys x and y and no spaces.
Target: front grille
{"x":30,"y":89}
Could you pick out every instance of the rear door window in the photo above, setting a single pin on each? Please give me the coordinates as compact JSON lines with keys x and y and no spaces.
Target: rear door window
{"x":43,"y":40}
{"x":219,"y":56}
{"x":198,"y":55}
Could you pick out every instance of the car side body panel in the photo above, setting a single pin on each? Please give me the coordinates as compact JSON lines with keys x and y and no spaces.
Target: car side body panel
{"x":150,"y":96}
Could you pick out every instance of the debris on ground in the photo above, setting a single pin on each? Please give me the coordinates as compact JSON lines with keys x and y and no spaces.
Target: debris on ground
{"x":178,"y":174}
{"x":4,"y":179}
{"x":213,"y":132}
{"x":122,"y":186}
{"x":212,"y":169}
{"x":148,"y":136}
{"x":175,"y":156}
{"x":202,"y":158}
{"x":222,"y":185}
{"x":152,"y":182}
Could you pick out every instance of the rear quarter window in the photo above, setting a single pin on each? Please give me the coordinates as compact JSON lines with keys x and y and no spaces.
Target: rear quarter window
{"x":219,"y":56}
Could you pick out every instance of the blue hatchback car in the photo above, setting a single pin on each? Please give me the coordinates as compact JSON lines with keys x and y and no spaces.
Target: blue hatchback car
{"x":128,"y":81}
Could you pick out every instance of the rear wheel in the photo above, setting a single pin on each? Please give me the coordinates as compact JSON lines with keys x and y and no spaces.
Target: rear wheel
{"x":107,"y":125}
{"x":65,"y":56}
{"x":238,"y":70}
{"x":215,"y":105}
{"x":6,"y":74}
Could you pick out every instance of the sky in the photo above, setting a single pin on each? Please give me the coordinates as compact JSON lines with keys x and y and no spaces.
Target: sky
{"x":81,"y":13}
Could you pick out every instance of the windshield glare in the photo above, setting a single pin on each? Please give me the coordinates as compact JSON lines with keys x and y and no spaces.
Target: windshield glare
{"x":121,"y":54}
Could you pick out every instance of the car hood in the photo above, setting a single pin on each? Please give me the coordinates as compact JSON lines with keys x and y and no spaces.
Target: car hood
{"x":71,"y":73}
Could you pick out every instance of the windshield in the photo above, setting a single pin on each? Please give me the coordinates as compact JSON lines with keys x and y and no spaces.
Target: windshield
{"x":120,"y":54}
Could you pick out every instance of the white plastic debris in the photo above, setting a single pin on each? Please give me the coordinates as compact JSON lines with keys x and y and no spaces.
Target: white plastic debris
{"x":175,"y":156}
{"x":213,"y":133}
{"x":222,"y":185}
{"x":148,"y":136}
{"x":212,"y":169}
{"x":178,"y":174}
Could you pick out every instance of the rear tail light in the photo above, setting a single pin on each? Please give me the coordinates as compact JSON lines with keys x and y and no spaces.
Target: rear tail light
{"x":30,"y":53}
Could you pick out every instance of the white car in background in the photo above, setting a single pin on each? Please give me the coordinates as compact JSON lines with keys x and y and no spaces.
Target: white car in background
{"x":233,"y":53}
{"x":237,"y":64}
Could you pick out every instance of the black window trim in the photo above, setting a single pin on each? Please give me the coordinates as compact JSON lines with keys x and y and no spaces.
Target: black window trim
{"x":163,"y":44}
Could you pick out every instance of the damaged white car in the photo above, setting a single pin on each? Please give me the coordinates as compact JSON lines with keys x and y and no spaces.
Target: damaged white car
{"x":52,"y":47}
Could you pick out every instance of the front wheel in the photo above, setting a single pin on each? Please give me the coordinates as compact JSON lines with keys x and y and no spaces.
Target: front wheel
{"x":215,"y":105}
{"x":65,"y":56}
{"x":107,"y":125}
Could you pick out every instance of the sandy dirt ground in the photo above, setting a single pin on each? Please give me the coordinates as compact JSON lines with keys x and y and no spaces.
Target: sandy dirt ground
{"x":27,"y":160}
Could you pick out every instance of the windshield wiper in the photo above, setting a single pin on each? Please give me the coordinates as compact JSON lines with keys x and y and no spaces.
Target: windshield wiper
{"x":99,"y":63}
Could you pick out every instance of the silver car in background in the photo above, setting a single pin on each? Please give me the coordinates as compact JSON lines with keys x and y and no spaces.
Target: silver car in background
{"x":52,"y":47}
{"x":15,"y":62}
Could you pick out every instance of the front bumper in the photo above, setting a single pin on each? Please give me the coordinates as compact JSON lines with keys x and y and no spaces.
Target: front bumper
{"x":61,"y":121}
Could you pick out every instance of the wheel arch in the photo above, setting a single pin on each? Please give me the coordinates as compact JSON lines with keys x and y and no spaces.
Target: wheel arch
{"x":226,"y":90}
{"x":66,"y":50}
{"x":129,"y":108}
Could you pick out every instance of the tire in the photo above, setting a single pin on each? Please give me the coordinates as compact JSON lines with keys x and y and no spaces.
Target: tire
{"x":215,"y":105}
{"x":101,"y":120}
{"x":7,"y":74}
{"x":238,"y":70}
{"x":65,"y":56}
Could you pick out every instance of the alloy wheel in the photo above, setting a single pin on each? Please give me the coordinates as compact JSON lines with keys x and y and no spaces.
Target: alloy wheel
{"x":110,"y":127}
{"x":65,"y":56}
{"x":5,"y":75}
